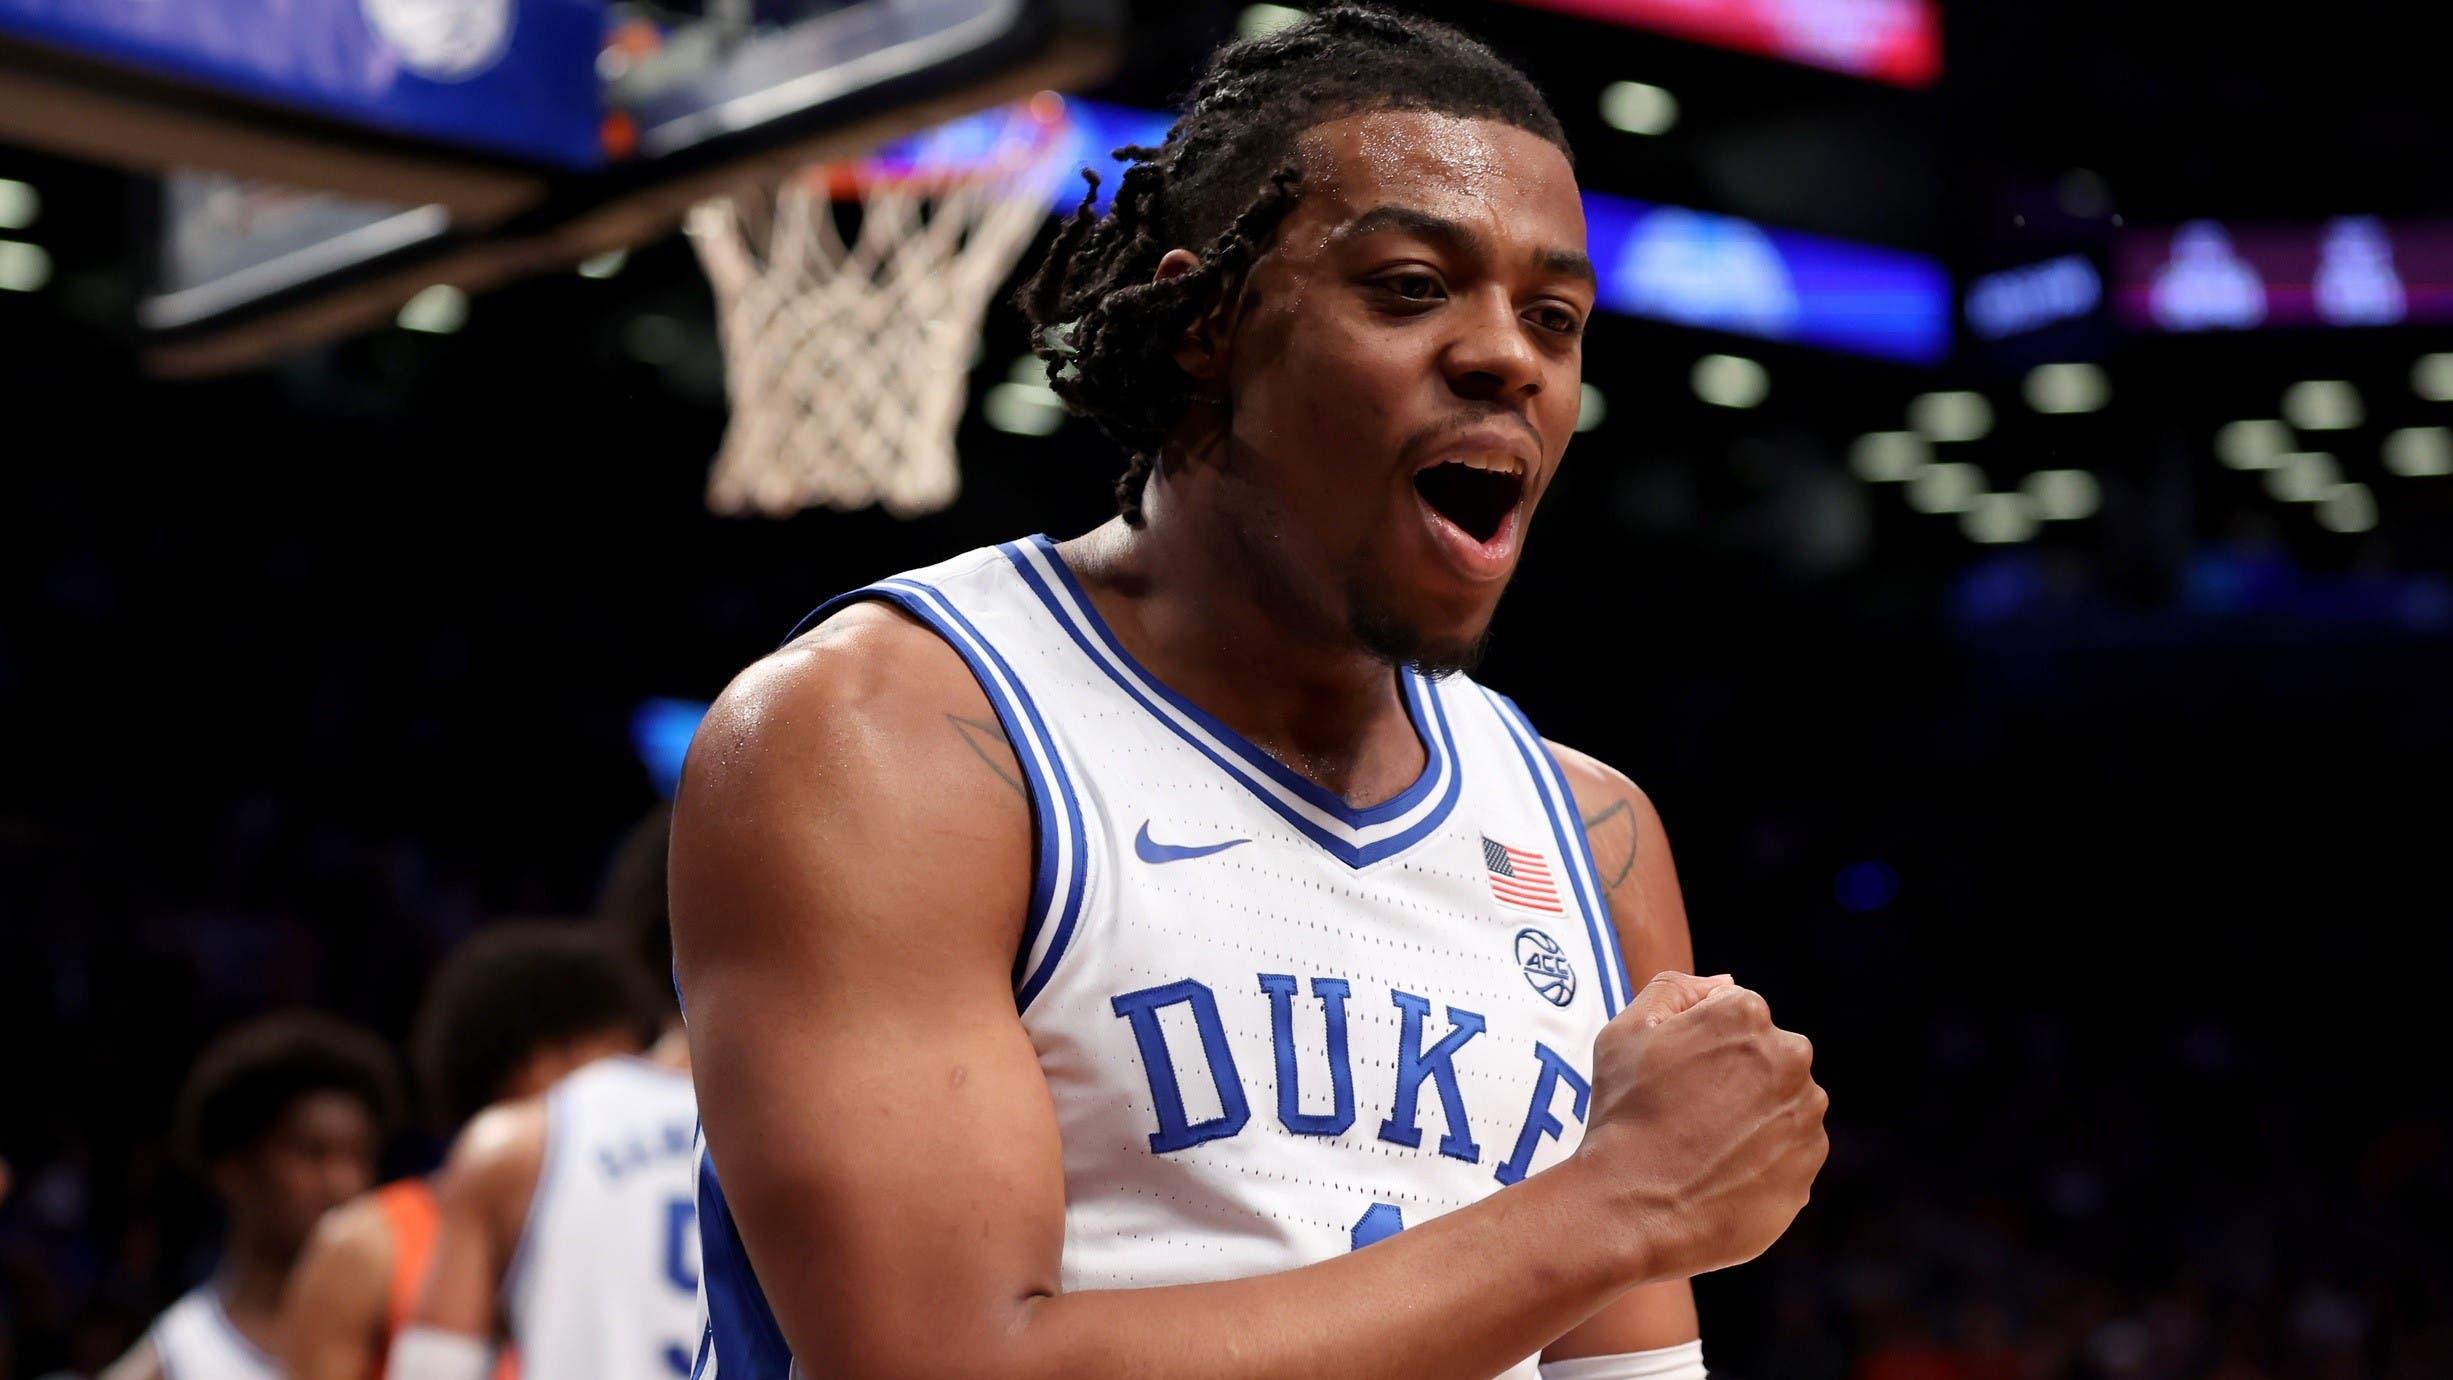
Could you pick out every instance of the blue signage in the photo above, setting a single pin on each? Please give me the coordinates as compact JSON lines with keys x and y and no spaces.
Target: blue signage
{"x":516,"y":77}
{"x":1668,"y":263}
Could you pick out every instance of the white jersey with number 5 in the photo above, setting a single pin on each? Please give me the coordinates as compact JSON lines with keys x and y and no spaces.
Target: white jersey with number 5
{"x":603,"y":1285}
{"x":1276,"y":1027}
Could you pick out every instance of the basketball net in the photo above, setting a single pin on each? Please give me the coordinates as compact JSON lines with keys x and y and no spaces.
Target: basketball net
{"x":845,"y":359}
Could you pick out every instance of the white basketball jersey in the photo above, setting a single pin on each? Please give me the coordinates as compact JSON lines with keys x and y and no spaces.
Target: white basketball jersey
{"x":195,"y":1340}
{"x":1276,"y":1027}
{"x":603,"y":1285}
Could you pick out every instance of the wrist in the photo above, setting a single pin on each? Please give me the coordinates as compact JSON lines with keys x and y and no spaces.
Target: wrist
{"x":1632,"y":1235}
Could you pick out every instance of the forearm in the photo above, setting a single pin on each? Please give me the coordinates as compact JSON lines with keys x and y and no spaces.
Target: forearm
{"x":1460,"y":1297}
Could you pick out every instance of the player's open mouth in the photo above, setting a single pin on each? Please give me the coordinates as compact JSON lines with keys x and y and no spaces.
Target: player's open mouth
{"x":1472,"y":502}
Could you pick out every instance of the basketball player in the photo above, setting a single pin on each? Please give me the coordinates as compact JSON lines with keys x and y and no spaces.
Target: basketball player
{"x":1149,"y":953}
{"x":510,"y":1013}
{"x":283,"y":1116}
{"x":568,"y":1223}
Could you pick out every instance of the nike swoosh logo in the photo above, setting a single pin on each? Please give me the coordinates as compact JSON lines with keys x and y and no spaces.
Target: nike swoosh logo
{"x":1149,"y":852}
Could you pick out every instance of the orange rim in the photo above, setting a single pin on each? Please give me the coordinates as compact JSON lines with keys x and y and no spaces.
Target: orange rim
{"x":1043,"y":116}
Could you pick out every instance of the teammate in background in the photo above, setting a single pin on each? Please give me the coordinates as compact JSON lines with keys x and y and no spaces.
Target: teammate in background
{"x":283,"y":1116}
{"x":568,"y":1222}
{"x":1149,"y":954}
{"x":509,"y":1013}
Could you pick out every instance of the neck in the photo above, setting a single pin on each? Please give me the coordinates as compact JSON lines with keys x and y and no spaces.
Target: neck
{"x":249,"y":1281}
{"x":1185,"y":599}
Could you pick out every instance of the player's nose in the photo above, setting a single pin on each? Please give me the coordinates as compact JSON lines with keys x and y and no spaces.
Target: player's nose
{"x":1489,"y":359}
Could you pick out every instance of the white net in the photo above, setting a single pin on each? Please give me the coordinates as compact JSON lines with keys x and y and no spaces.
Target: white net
{"x":845,"y":357}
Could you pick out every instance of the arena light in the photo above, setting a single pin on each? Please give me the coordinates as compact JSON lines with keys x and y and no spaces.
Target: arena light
{"x":2420,"y":452}
{"x":2304,"y":477}
{"x":1638,"y":108}
{"x":1957,"y":416}
{"x":1024,"y":405}
{"x":1888,"y":457}
{"x":23,"y":267}
{"x":2347,"y":508}
{"x":2063,"y":495}
{"x":604,"y":265}
{"x":1730,"y":381}
{"x":19,"y":204}
{"x":2432,"y":377}
{"x":1996,"y":519}
{"x":439,"y":310}
{"x":1945,"y":488}
{"x":2322,"y":405}
{"x":1260,"y":21}
{"x":2252,"y":445}
{"x":2064,"y":389}
{"x":2032,"y":296}
{"x":1591,"y":408}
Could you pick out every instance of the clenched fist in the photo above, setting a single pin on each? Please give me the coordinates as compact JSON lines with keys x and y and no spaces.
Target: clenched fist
{"x":1706,"y":1121}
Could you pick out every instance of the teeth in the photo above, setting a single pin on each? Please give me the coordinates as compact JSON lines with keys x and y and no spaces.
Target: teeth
{"x":1502,"y":464}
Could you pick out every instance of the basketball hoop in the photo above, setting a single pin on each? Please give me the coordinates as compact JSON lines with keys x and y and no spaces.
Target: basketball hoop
{"x":845,"y":359}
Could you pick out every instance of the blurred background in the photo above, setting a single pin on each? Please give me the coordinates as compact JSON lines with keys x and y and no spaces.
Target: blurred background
{"x":2011,"y":539}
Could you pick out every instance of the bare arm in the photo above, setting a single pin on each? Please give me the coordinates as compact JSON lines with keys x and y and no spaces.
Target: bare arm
{"x":141,"y":1363}
{"x":481,"y":1204}
{"x":1631,"y":853}
{"x":849,"y":884}
{"x":332,"y":1310}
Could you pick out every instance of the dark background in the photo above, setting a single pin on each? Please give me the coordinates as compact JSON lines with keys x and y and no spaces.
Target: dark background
{"x":2105,"y":870}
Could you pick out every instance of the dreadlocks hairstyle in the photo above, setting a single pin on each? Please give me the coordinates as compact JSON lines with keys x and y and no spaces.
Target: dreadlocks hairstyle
{"x":511,"y":992}
{"x":1220,"y":184}
{"x":249,"y":1077}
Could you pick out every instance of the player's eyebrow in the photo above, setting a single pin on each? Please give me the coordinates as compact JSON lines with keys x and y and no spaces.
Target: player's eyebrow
{"x":1456,"y":235}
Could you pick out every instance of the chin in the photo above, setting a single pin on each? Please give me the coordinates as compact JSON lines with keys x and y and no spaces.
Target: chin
{"x":1434,"y":649}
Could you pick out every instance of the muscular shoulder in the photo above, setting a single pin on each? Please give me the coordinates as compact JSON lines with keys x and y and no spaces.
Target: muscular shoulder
{"x":494,"y":1164}
{"x":855,"y":779}
{"x":1631,"y":854}
{"x":353,"y":1240}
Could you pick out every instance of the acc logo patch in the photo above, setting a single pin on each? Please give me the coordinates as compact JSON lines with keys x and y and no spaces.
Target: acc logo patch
{"x":1545,"y":966}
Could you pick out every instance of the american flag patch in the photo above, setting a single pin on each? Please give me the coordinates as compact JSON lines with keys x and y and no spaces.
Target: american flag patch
{"x":1519,"y":878}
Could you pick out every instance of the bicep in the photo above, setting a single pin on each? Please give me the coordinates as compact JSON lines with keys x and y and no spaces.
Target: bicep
{"x":331,"y":1323}
{"x":482,"y":1199}
{"x":848,"y":887}
{"x":1638,"y":875}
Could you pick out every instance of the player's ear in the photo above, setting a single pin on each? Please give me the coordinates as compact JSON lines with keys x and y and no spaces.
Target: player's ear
{"x":1200,"y":351}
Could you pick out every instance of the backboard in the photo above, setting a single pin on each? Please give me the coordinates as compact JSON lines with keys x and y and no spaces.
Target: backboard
{"x":325,"y":160}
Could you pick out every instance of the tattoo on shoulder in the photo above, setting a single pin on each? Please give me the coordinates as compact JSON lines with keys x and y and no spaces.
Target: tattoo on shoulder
{"x":978,"y":735}
{"x":1613,"y":834}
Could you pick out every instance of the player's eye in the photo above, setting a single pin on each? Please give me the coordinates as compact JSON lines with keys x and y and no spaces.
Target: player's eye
{"x":1412,"y":286}
{"x":1558,"y":320}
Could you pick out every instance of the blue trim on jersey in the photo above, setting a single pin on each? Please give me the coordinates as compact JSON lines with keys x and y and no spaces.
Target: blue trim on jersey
{"x":1441,"y":766}
{"x":1076,"y":830}
{"x":1551,"y":785}
{"x":1310,"y":790}
{"x":747,"y":1342}
{"x":1056,"y":816}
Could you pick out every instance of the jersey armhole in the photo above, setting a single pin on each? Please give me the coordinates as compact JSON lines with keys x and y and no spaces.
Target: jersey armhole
{"x":1576,"y":851}
{"x":1059,"y":836}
